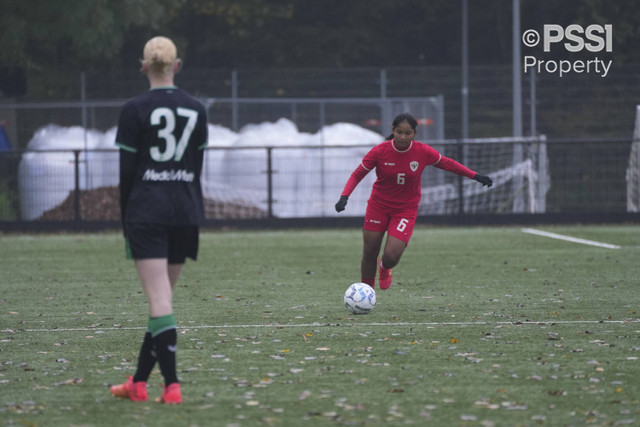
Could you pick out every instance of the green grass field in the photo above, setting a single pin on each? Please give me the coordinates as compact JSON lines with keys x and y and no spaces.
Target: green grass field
{"x":482,"y":327}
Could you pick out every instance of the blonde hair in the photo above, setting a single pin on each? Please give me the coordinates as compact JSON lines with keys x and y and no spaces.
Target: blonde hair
{"x":159,"y":55}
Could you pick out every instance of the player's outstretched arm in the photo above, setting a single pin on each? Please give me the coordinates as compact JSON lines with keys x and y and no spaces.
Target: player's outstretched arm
{"x":342,"y":203}
{"x":351,"y":184}
{"x":484,"y":180}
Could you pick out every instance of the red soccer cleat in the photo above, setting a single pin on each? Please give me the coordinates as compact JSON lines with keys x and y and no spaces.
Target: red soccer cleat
{"x":385,"y":276}
{"x":171,"y":394}
{"x":130,"y":390}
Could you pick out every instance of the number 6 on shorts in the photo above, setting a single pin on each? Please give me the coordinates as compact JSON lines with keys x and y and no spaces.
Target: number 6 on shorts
{"x":402,"y":225}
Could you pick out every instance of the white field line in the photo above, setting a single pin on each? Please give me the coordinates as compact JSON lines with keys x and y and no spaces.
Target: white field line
{"x":343,"y":325}
{"x":569,"y":239}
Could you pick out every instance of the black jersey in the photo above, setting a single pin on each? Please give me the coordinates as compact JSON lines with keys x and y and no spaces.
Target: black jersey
{"x":162,"y":135}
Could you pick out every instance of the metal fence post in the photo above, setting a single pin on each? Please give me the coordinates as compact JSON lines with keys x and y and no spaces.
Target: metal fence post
{"x":76,"y":195}
{"x":460,"y":184}
{"x":532,"y":112}
{"x":270,"y":182}
{"x":234,"y":100}
{"x":385,"y":119}
{"x":440,"y":119}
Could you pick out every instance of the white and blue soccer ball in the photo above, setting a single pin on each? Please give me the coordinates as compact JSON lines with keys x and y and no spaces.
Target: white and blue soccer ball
{"x":360,"y":298}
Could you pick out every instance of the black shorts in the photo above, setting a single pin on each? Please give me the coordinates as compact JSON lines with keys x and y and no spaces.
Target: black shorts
{"x":146,"y":241}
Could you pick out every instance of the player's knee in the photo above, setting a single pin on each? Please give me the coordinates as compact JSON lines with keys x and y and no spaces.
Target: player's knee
{"x":390,"y":260}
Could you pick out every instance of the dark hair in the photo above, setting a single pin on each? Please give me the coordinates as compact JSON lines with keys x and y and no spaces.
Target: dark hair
{"x":400,"y":118}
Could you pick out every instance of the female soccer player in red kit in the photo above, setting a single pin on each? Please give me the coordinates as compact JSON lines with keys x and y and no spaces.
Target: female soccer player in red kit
{"x":396,"y":193}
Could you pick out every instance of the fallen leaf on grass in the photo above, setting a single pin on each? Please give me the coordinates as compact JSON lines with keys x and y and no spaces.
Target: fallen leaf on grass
{"x":601,"y":343}
{"x":553,"y":336}
{"x":304,"y":395}
{"x":70,"y":381}
{"x":513,"y":406}
{"x":486,"y":404}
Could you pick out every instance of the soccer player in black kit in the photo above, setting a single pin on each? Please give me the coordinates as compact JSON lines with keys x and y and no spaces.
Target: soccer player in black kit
{"x":161,"y":135}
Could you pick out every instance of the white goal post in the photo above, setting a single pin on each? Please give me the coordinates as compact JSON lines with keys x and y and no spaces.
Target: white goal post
{"x":633,"y":171}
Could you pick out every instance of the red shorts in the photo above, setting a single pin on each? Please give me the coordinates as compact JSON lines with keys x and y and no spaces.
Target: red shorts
{"x":397,"y":223}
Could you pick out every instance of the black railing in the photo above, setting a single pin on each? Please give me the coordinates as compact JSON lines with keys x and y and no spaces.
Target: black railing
{"x":259,"y":184}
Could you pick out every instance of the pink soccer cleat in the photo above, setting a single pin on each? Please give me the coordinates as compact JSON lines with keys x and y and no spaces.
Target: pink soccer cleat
{"x":171,"y":394}
{"x":130,"y":390}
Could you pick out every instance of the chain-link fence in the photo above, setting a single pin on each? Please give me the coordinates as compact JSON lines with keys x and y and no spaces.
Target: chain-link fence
{"x":589,"y":122}
{"x":574,"y":106}
{"x":564,"y":177}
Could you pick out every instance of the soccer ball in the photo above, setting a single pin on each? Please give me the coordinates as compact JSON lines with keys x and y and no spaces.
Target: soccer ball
{"x":360,"y":298}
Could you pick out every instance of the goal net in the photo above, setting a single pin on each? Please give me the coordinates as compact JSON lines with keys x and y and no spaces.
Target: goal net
{"x":633,"y":171}
{"x":517,"y":166}
{"x":292,"y":182}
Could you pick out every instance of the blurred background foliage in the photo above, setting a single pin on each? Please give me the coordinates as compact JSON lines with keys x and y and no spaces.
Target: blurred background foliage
{"x":325,"y":48}
{"x":95,"y":34}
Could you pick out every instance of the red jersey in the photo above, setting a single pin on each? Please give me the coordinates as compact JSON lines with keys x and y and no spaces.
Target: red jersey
{"x":398,"y":183}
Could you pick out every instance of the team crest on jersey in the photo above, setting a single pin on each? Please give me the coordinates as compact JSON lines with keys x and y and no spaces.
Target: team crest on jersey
{"x":414,"y":166}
